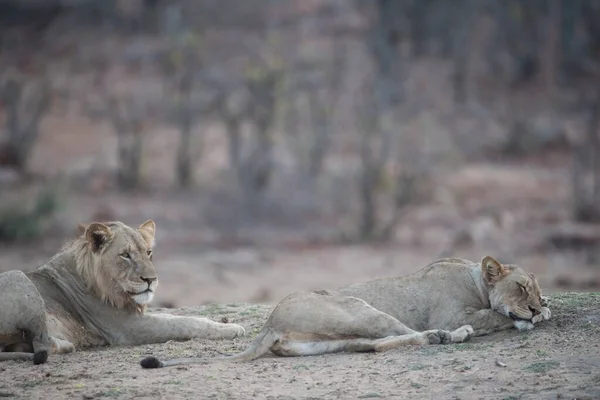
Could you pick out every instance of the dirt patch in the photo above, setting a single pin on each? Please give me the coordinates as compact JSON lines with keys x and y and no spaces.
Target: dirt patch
{"x":559,"y":359}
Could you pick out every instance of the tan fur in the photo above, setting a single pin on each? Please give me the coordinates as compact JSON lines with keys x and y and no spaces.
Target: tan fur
{"x":448,"y":301}
{"x":94,"y":292}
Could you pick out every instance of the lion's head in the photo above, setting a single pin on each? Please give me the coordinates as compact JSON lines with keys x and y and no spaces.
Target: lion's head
{"x":115,"y":262}
{"x":513,"y":291}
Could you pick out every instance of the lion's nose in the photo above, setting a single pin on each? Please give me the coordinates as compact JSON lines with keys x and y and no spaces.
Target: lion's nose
{"x":535,"y":311}
{"x":148,"y":280}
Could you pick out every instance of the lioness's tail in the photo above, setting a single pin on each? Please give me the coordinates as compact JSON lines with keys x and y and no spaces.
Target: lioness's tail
{"x":39,"y":357}
{"x":260,"y":346}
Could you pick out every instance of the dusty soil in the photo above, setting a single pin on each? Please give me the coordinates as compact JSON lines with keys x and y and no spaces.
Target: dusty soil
{"x":559,"y":359}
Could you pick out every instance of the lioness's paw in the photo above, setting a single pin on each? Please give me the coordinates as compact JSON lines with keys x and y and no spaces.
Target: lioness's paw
{"x":543,"y":316}
{"x":439,"y":337}
{"x":462,"y":334}
{"x":523,"y":325}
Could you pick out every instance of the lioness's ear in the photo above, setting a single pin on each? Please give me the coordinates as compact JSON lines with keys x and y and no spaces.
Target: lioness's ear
{"x":81,"y":228}
{"x":98,"y":235}
{"x":148,"y":230}
{"x":492,"y":270}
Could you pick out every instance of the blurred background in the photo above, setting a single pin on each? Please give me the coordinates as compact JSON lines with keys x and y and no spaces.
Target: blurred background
{"x":286,"y":145}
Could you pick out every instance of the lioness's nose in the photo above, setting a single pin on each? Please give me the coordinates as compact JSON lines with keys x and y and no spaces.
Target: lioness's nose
{"x":148,"y":280}
{"x":535,"y":311}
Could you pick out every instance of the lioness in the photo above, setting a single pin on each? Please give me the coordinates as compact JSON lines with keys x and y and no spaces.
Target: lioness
{"x":93,"y":292}
{"x":451,"y":294}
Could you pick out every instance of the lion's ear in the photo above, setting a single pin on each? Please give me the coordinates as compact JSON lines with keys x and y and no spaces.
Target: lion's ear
{"x":148,"y":230}
{"x":98,"y":235}
{"x":492,"y":270}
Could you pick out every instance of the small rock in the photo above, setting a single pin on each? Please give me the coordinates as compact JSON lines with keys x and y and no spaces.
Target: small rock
{"x":500,"y":364}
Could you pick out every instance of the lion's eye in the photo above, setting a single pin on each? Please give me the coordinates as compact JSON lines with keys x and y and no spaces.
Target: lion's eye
{"x":522,"y":287}
{"x":125,"y":255}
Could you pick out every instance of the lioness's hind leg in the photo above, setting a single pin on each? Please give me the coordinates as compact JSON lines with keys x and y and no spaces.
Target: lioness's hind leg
{"x":334,"y":316}
{"x":419,"y":338}
{"x":290,"y":347}
{"x":434,"y":336}
{"x":302,"y":348}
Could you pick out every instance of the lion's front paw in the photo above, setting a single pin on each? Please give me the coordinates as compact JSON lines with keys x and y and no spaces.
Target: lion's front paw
{"x":235,"y":330}
{"x":462,"y":334}
{"x":439,"y":337}
{"x":543,"y":316}
{"x":61,"y":346}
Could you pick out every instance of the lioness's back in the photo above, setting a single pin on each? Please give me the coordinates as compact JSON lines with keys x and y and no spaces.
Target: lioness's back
{"x":429,"y":287}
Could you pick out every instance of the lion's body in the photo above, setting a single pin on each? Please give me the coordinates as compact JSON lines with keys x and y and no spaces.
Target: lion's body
{"x":93,"y":293}
{"x":446,"y":302}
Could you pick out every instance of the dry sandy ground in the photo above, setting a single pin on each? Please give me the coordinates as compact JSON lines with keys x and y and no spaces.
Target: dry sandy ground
{"x":559,"y":359}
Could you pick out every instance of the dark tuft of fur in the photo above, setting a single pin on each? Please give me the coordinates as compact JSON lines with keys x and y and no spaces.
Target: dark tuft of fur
{"x":151,"y":362}
{"x":40,"y":357}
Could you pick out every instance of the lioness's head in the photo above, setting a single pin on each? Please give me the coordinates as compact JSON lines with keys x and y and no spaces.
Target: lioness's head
{"x":513,"y":291}
{"x":115,"y":261}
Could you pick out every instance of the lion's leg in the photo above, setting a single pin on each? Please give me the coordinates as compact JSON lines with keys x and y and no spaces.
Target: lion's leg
{"x":24,"y":311}
{"x":60,"y":346}
{"x":160,"y":328}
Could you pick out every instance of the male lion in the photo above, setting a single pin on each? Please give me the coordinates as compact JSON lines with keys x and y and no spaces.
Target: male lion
{"x":93,"y":292}
{"x":446,"y":302}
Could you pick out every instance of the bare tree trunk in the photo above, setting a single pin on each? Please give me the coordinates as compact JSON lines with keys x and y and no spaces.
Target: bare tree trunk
{"x":586,"y":163}
{"x":186,"y":121}
{"x":571,"y":47}
{"x":320,"y":114}
{"x":550,"y":65}
{"x":371,"y":173}
{"x":595,"y":158}
{"x":418,"y":32}
{"x":127,"y":123}
{"x":462,"y":21}
{"x":258,"y":167}
{"x":405,"y":186}
{"x":384,"y":40}
{"x":378,"y":130}
{"x":23,"y":117}
{"x":233,"y":127}
{"x":517,"y":27}
{"x":368,"y":224}
{"x":130,"y":159}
